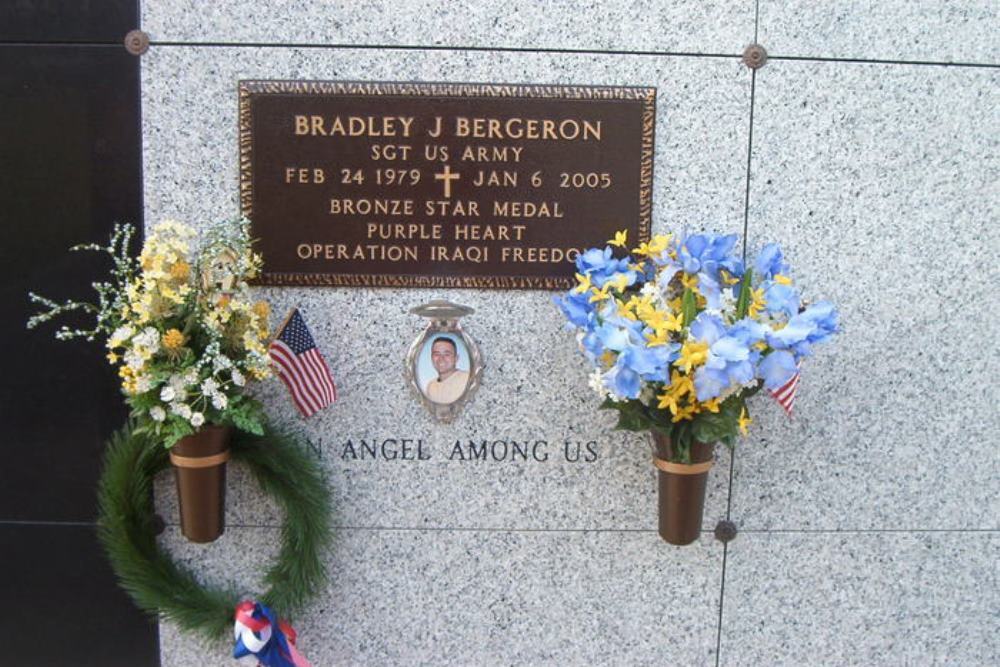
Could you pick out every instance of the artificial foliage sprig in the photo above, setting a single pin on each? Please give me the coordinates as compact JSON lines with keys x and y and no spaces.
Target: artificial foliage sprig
{"x":180,"y":324}
{"x":680,"y":332}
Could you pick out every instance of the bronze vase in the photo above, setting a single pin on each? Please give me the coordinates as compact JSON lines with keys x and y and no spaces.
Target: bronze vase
{"x":200,"y":469}
{"x":681,"y":489}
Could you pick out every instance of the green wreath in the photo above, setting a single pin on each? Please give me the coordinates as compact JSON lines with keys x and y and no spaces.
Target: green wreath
{"x":160,"y":586}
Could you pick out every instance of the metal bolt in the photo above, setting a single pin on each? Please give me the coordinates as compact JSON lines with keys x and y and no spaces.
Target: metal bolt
{"x":755,"y":56}
{"x":725,"y":531}
{"x":136,"y":42}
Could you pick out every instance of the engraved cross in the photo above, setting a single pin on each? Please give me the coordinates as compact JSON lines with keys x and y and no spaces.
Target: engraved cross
{"x":447,"y":177}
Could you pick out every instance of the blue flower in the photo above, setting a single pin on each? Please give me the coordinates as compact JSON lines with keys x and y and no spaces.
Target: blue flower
{"x":593,"y":260}
{"x":707,"y":327}
{"x":729,"y":363}
{"x":777,"y":368}
{"x":770,"y":262}
{"x":601,"y":279}
{"x":813,"y":325}
{"x":615,"y":333}
{"x":651,"y":363}
{"x":781,"y":299}
{"x":823,"y":317}
{"x":576,"y":307}
{"x":794,"y":336}
{"x":592,"y":346}
{"x":601,"y":266}
{"x":748,"y":331}
{"x":623,"y":382}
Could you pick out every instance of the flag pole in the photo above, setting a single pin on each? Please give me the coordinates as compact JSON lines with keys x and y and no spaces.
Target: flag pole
{"x":277,"y":332}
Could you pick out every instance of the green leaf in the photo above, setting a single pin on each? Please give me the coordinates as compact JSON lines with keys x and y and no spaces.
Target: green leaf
{"x":632,"y":417}
{"x":689,"y":306}
{"x":743,"y":302}
{"x":247,"y":423}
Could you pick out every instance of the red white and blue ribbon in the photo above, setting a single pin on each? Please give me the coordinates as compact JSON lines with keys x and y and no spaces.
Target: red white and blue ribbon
{"x":260,"y":635}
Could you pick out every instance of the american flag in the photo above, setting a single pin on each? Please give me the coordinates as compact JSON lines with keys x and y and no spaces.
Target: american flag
{"x":301,"y":367}
{"x":785,"y":394}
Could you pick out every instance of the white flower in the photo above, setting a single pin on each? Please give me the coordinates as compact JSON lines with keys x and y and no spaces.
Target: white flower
{"x":181,"y":409}
{"x":149,"y":338}
{"x":168,"y":394}
{"x":120,"y":335}
{"x":134,"y":359}
{"x":221,"y":362}
{"x":238,"y":378}
{"x":219,"y":401}
{"x":596,"y":382}
{"x":177,"y":383}
{"x":209,"y":386}
{"x":649,"y":290}
{"x":143,"y":384}
{"x":157,"y":413}
{"x":197,"y":419}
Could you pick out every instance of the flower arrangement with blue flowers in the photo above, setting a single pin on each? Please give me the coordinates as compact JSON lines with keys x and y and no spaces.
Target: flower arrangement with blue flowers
{"x":680,"y":332}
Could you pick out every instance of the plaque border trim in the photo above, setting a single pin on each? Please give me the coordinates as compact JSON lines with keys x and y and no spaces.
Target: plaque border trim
{"x":250,"y":87}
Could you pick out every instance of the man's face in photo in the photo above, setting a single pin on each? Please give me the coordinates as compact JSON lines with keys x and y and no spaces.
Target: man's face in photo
{"x":443,"y":357}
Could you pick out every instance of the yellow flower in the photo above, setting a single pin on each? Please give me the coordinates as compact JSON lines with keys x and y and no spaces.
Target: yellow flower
{"x":745,"y":421}
{"x":684,"y":413}
{"x":728,"y":278}
{"x":619,"y":282}
{"x":669,"y":401}
{"x":712,"y":405}
{"x":689,"y":280}
{"x":173,"y":339}
{"x":599,"y":294}
{"x":584,"y":285}
{"x":170,"y":295}
{"x":758,"y":302}
{"x":180,"y":271}
{"x":681,"y":384}
{"x":619,"y":239}
{"x":112,"y":358}
{"x":782,"y":280}
{"x":262,"y":309}
{"x":655,"y":246}
{"x":692,"y":354}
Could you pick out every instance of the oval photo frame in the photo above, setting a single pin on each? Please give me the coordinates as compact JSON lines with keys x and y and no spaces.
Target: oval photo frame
{"x":444,"y":349}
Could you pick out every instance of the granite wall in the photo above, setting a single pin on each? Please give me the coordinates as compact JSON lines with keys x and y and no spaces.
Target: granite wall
{"x":868,"y":145}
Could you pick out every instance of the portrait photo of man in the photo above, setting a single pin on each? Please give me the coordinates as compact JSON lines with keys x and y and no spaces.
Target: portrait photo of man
{"x":450,"y":383}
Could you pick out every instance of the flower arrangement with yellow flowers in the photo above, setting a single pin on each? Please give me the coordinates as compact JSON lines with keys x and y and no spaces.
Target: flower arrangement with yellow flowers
{"x":680,"y":332}
{"x":181,"y":326}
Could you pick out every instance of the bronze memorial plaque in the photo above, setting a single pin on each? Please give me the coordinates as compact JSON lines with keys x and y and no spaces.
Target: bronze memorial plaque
{"x":441,"y":185}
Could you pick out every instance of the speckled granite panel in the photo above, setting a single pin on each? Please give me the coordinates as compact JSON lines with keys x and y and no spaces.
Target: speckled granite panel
{"x":963,"y":31}
{"x":634,"y":25}
{"x":862,"y":599}
{"x":430,"y":597}
{"x":534,"y":386}
{"x":883,"y":184}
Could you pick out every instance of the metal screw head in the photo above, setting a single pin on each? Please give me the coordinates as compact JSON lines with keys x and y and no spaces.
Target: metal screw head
{"x":725,"y":531}
{"x":136,"y":42}
{"x":755,"y":56}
